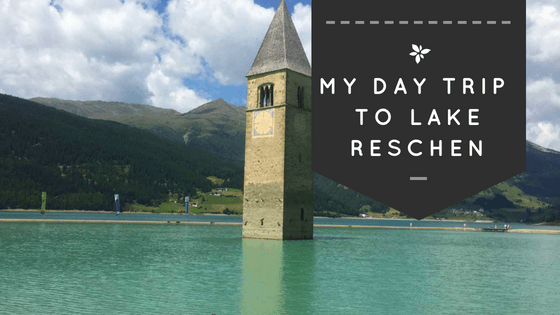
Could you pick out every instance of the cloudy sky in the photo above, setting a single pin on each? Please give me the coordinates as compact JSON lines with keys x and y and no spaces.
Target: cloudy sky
{"x":172,"y":53}
{"x":543,"y":72}
{"x":182,"y":53}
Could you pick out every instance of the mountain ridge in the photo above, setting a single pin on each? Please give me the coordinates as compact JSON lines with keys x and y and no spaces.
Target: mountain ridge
{"x":219,"y":127}
{"x":82,"y":162}
{"x":216,"y":126}
{"x":101,"y":109}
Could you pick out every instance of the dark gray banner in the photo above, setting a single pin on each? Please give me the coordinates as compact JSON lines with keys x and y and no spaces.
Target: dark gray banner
{"x":418,"y":104}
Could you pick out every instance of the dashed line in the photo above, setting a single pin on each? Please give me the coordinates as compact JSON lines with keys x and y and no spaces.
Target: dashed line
{"x":421,"y":22}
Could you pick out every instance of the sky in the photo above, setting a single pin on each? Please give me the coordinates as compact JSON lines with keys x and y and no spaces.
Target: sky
{"x":172,"y":53}
{"x":180,"y":54}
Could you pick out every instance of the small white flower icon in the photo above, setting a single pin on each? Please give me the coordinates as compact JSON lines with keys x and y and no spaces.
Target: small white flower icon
{"x":418,"y":53}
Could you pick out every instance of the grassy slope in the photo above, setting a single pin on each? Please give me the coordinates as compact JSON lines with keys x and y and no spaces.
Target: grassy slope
{"x":515,"y":195}
{"x":211,"y":204}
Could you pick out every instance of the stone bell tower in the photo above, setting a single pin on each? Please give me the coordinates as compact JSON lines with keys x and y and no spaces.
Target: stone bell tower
{"x":278,"y":189}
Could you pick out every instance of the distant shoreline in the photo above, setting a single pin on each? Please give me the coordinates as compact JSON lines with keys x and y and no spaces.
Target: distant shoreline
{"x":113,"y":212}
{"x":220,"y":214}
{"x":424,"y":220}
{"x":523,"y":231}
{"x":86,"y":211}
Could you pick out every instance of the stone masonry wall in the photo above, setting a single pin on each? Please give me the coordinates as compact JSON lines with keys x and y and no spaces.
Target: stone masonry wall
{"x":278,"y":175}
{"x":298,"y":175}
{"x":263,"y":203}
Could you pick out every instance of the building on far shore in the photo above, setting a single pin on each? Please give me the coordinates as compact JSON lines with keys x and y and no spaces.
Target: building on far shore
{"x":278,"y":189}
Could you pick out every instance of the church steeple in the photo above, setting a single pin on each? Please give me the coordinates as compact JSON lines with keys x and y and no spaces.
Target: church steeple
{"x":278,"y":188}
{"x":281,"y":47}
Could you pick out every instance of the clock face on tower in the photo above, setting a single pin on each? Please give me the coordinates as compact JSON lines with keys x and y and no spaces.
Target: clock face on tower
{"x":263,"y":122}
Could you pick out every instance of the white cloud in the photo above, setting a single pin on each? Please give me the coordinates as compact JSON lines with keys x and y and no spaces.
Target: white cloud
{"x":92,"y":49}
{"x":544,"y":134}
{"x":543,"y":59}
{"x":543,"y":31}
{"x":543,"y":111}
{"x":302,"y":22}
{"x":543,"y":97}
{"x":117,"y":50}
{"x":544,"y":90}
{"x":169,"y":92}
{"x":228,"y":35}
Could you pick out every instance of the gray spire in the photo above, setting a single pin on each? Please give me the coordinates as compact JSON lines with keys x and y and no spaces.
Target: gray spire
{"x":281,"y":47}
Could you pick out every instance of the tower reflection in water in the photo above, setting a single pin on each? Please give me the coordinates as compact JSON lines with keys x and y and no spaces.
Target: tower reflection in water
{"x":278,"y":277}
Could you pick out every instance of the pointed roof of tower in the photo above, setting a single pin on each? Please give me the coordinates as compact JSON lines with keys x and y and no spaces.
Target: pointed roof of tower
{"x":281,"y":47}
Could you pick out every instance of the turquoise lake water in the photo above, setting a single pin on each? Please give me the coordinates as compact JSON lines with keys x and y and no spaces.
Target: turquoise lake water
{"x":59,"y":268}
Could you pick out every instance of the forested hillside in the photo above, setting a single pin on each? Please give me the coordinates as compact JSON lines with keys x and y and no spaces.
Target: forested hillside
{"x":81,"y":162}
{"x":331,"y":197}
{"x":217,"y":126}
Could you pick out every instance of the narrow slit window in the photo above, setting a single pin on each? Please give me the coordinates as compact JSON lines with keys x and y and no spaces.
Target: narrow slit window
{"x":266,"y":96}
{"x":299,"y":96}
{"x":261,"y":96}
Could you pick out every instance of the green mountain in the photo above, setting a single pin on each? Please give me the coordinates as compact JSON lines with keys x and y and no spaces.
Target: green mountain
{"x":103,"y":110}
{"x":531,"y":196}
{"x":81,"y":162}
{"x":217,"y":126}
{"x":330,"y":197}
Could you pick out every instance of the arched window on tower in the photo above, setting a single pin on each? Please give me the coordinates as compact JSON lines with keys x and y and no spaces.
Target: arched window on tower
{"x":266,"y":95}
{"x":261,"y":96}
